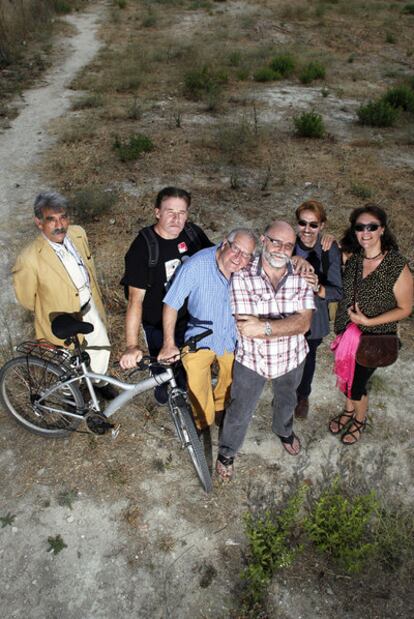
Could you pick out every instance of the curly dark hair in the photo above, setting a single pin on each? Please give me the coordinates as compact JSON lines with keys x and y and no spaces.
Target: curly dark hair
{"x":349,"y":242}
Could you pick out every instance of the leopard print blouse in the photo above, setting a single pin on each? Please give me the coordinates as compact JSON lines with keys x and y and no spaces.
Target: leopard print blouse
{"x":374,"y":294}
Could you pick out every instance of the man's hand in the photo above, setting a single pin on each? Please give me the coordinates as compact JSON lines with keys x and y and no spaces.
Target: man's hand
{"x":327,"y":241}
{"x":249,"y":326}
{"x":302,"y":267}
{"x":169,"y":353}
{"x":130,"y":358}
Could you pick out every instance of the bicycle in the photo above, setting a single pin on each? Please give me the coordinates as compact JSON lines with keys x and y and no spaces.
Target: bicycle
{"x":44,"y":389}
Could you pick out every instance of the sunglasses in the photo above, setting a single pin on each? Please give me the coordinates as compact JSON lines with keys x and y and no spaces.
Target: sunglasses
{"x":312,"y":224}
{"x":367,"y":227}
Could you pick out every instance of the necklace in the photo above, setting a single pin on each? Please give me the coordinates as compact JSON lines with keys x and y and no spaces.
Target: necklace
{"x":373,"y":257}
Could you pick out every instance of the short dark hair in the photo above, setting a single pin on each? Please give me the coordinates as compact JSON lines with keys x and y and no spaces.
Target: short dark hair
{"x":317,"y":208}
{"x":172,"y":192}
{"x":49,"y":199}
{"x":349,"y":242}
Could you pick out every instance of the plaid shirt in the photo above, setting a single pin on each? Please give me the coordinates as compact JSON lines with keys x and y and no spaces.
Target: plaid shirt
{"x":252,"y":293}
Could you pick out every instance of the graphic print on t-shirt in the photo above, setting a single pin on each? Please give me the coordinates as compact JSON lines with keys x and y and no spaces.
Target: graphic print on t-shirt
{"x":170,"y":268}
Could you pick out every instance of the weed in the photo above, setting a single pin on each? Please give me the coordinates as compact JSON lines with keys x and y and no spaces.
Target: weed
{"x":361,"y":191}
{"x":408,"y":9}
{"x":283,"y":64}
{"x":324,"y":92}
{"x":266,"y":74}
{"x":133,"y":147}
{"x":377,"y":114}
{"x":56,"y":544}
{"x":400,"y":97}
{"x":7,"y":520}
{"x":390,"y":38}
{"x":339,"y":526}
{"x":235,"y":141}
{"x":91,"y":203}
{"x":66,"y":498}
{"x":62,"y":7}
{"x":394,"y":533}
{"x":150,"y":20}
{"x":309,"y":125}
{"x":88,"y":102}
{"x":80,"y":130}
{"x":121,"y":4}
{"x":134,"y":111}
{"x":167,"y":543}
{"x":242,"y":74}
{"x":312,"y":71}
{"x":270,"y":546}
{"x":235,"y":58}
{"x":205,"y":83}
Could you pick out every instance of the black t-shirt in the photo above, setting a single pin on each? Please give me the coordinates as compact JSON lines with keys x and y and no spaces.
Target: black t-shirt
{"x":171,"y":254}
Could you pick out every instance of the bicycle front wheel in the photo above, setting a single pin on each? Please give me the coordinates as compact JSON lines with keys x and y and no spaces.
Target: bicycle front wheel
{"x":23,"y":383}
{"x":188,"y":435}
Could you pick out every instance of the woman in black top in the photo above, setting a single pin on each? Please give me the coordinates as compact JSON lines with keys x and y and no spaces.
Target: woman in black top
{"x":377,"y":293}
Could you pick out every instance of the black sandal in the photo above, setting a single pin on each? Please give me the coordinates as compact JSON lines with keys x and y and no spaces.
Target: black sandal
{"x":337,"y":420}
{"x":359,"y":427}
{"x":287,"y":441}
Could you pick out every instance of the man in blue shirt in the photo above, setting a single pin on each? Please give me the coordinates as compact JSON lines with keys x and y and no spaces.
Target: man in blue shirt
{"x":204,"y":280}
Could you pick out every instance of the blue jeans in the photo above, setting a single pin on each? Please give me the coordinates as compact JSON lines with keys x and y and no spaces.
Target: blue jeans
{"x":246,"y":389}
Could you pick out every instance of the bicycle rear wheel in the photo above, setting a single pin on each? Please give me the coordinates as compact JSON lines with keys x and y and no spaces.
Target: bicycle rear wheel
{"x":187,"y":433}
{"x":23,"y":381}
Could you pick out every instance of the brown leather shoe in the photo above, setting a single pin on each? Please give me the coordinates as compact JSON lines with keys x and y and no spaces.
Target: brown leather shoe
{"x":302,"y":409}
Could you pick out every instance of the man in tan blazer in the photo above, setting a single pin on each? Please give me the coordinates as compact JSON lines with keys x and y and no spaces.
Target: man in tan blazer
{"x":56,"y":274}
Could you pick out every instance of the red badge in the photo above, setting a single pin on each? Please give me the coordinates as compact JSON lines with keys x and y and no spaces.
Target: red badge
{"x":182,"y":247}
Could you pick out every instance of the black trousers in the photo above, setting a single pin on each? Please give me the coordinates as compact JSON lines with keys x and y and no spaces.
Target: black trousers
{"x":305,"y":387}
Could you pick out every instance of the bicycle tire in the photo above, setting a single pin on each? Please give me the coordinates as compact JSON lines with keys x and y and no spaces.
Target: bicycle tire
{"x":21,"y":382}
{"x":188,"y":435}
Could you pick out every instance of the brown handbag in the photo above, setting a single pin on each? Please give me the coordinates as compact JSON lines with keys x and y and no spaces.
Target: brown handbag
{"x":377,"y":351}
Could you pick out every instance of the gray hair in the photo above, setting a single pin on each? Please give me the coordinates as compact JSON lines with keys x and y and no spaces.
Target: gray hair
{"x":49,"y":199}
{"x":247,"y":231}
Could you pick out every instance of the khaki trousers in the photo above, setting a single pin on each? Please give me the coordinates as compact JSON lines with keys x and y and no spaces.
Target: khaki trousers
{"x":205,"y":401}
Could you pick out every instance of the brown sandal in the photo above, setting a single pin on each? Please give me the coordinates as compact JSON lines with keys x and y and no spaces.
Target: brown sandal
{"x":348,"y":414}
{"x":359,"y":428}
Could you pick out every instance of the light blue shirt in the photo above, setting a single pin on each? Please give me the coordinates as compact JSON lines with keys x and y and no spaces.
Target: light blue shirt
{"x":200,"y":281}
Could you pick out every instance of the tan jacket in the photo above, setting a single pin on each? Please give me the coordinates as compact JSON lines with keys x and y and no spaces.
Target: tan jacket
{"x":43,"y":285}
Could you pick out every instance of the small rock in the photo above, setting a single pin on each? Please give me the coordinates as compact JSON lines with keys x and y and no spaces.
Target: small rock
{"x":14,"y":529}
{"x":70,"y":519}
{"x":112,"y":221}
{"x":329,"y":591}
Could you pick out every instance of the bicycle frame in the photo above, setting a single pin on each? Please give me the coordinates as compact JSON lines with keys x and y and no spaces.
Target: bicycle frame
{"x":129,"y":391}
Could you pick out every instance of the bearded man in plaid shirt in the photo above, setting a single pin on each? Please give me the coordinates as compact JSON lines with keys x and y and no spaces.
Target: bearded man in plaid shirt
{"x":273,"y":308}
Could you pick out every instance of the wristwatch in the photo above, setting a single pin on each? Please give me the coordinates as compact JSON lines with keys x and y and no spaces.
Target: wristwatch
{"x":317,"y":288}
{"x":267,"y":329}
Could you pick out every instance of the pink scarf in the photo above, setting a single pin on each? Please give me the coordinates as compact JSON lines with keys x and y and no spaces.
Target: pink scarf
{"x":345,"y":346}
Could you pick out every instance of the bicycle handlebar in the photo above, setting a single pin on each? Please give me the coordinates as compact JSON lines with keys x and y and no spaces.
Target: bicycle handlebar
{"x":147,"y":360}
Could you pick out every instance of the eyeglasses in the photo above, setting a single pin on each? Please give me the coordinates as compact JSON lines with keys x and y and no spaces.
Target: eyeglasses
{"x":312,"y":224}
{"x":236,"y":250}
{"x":367,"y":227}
{"x":277,"y":244}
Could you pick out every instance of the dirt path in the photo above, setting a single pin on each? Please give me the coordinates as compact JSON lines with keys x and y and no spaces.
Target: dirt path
{"x":27,"y":139}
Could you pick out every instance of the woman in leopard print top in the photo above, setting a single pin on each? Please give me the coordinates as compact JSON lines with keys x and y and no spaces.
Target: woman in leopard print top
{"x":378,"y":292}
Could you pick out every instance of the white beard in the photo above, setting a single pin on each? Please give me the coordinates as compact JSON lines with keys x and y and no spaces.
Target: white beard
{"x":276,"y":261}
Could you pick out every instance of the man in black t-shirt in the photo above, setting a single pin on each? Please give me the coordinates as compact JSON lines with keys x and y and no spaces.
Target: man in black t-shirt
{"x":165,"y":244}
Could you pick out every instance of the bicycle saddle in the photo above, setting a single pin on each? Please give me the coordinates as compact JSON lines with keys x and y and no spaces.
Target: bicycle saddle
{"x":65,"y":325}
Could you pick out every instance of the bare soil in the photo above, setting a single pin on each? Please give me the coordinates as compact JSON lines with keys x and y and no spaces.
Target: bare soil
{"x":142,"y":539}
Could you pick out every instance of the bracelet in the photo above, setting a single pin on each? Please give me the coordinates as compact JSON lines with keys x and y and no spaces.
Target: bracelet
{"x":317,"y":288}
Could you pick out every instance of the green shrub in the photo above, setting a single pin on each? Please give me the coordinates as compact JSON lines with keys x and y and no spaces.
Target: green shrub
{"x":283,"y":64}
{"x":87,"y":102}
{"x":133,"y":147}
{"x":309,"y":125}
{"x":377,"y":114}
{"x":390,"y":38}
{"x":400,"y":97}
{"x":91,"y":203}
{"x":408,"y":9}
{"x":61,"y":6}
{"x":149,"y":21}
{"x":339,"y":526}
{"x":312,"y":71}
{"x":204,"y":83}
{"x":242,"y":74}
{"x":270,"y":545}
{"x":266,"y":74}
{"x":361,"y":191}
{"x":235,"y":58}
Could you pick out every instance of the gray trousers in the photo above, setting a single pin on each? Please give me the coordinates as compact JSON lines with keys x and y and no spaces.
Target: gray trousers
{"x":246,"y":389}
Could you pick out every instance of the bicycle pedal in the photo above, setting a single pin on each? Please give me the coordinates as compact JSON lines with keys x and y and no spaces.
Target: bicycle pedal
{"x":115,"y":431}
{"x":97,"y":423}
